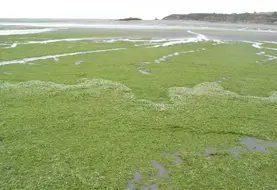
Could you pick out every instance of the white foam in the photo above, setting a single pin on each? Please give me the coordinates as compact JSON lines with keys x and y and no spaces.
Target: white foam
{"x":95,"y":39}
{"x":251,"y":42}
{"x":7,"y":73}
{"x":174,"y":42}
{"x":53,"y":41}
{"x":125,"y":40}
{"x":26,"y":60}
{"x":245,"y":28}
{"x":270,"y":42}
{"x":217,"y":41}
{"x":270,"y":57}
{"x":59,"y":40}
{"x":14,"y":45}
{"x":199,"y":37}
{"x":260,"y":53}
{"x":275,"y":49}
{"x":163,"y":58}
{"x":25,"y":31}
{"x":78,"y":62}
{"x":139,"y":45}
{"x":257,"y":45}
{"x":144,"y":72}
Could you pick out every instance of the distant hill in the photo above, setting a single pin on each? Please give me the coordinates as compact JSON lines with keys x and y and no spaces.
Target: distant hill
{"x":263,"y":18}
{"x":129,"y":19}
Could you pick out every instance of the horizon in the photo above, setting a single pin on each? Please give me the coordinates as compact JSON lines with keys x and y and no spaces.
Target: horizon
{"x":87,"y":18}
{"x":107,"y":9}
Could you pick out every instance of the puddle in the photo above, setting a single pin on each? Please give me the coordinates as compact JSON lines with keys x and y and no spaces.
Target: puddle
{"x":248,"y":144}
{"x":209,"y":151}
{"x":160,"y":167}
{"x":253,"y":144}
{"x":78,"y":62}
{"x":177,"y":160}
{"x":26,"y":60}
{"x":137,"y":176}
{"x":235,"y":151}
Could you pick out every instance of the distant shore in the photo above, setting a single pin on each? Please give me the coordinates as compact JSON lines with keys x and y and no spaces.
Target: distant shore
{"x":247,"y":18}
{"x":129,"y":19}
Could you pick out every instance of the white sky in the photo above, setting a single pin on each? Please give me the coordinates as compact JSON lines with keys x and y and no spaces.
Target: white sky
{"x":146,"y":9}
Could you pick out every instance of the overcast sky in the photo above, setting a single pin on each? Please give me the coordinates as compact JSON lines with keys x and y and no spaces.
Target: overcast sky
{"x":146,"y":9}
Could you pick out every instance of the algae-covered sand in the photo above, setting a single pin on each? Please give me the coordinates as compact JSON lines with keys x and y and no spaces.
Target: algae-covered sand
{"x":140,"y":107}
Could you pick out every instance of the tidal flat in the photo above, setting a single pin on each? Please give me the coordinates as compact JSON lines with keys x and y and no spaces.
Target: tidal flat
{"x":93,"y":104}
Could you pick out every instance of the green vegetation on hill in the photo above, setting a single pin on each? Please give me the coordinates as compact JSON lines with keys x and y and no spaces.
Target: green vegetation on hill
{"x":129,"y":19}
{"x":264,"y":18}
